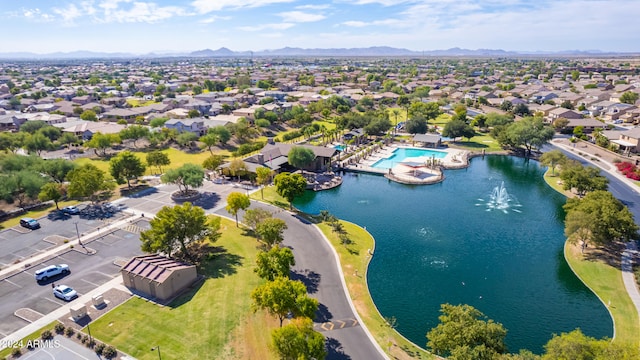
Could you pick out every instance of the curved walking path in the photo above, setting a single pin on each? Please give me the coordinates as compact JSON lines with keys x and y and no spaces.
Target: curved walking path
{"x":631,"y":253}
{"x":317,"y":265}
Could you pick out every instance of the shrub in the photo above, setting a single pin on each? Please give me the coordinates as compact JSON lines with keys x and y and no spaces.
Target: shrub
{"x":90,"y":343}
{"x":16,"y":352}
{"x":109,"y":352}
{"x":247,"y":148}
{"x":263,"y":123}
{"x":99,"y":348}
{"x":291,"y":135}
{"x":84,"y":339}
{"x":59,"y":328}
{"x":69,"y":331}
{"x":46,"y":335}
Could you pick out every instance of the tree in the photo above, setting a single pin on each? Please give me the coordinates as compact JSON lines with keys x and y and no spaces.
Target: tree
{"x":298,"y":340}
{"x":31,"y":127}
{"x":236,"y":167}
{"x":577,"y":346}
{"x":253,"y":217}
{"x":582,"y":178}
{"x":193,"y":113}
{"x":89,"y":115}
{"x":404,"y":102}
{"x":456,"y":128}
{"x":101,"y":142}
{"x":629,"y":97}
{"x":263,"y":177}
{"x":610,"y":219}
{"x":463,"y":333}
{"x":38,"y":143}
{"x":235,"y":202}
{"x":186,"y":177}
{"x":290,"y":186}
{"x":209,"y":140}
{"x":57,"y":169}
{"x":186,"y":138}
{"x":529,"y":132}
{"x":52,"y":192}
{"x":560,"y":123}
{"x":175,"y":228}
{"x":552,"y":159}
{"x":125,"y":167}
{"x":416,"y":125}
{"x":22,"y":186}
{"x":300,"y":157}
{"x":578,"y":225}
{"x":521,"y":110}
{"x":213,"y":162}
{"x":271,"y":231}
{"x":224,"y":135}
{"x":135,"y":133}
{"x":283,"y":296}
{"x":87,"y":181}
{"x":276,"y":262}
{"x":159,"y":159}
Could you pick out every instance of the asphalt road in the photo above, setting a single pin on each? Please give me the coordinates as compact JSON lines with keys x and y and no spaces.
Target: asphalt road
{"x":21,"y":291}
{"x":317,"y":268}
{"x":619,"y":189}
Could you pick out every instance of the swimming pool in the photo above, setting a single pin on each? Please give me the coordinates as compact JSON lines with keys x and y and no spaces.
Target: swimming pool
{"x":339,"y":147}
{"x":400,"y":154}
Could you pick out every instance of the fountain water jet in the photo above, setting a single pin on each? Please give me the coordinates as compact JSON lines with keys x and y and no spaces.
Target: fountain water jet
{"x":499,"y":199}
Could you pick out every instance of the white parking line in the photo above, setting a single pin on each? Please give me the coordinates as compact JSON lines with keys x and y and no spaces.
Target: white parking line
{"x":14,"y":284}
{"x":89,"y":282}
{"x":54,"y":301}
{"x":105,"y":274}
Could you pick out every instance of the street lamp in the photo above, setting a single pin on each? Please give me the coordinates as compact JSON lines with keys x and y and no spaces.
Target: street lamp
{"x":78,"y":233}
{"x":158,"y":348}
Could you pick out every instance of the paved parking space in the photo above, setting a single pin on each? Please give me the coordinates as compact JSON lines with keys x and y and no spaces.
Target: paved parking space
{"x":18,"y":244}
{"x":88,"y":271}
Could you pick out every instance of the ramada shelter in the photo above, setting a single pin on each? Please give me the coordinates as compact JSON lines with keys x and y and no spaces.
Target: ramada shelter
{"x":158,"y":276}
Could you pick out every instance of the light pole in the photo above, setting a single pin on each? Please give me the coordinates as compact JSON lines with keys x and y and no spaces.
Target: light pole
{"x":78,"y":233}
{"x":158,"y":348}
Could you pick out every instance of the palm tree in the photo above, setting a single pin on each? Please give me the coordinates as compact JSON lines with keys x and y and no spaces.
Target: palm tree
{"x":395,"y":113}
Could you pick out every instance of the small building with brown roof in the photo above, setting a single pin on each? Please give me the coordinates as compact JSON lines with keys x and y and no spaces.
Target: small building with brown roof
{"x":158,"y":276}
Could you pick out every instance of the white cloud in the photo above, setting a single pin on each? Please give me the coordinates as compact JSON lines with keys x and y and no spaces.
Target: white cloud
{"x":381,"y":2}
{"x":277,"y":26}
{"x":207,"y":6}
{"x":212,"y":19}
{"x":386,"y":22}
{"x":35,"y":15}
{"x":137,"y":11}
{"x":68,"y":14}
{"x":313,"y":7}
{"x":300,"y":17}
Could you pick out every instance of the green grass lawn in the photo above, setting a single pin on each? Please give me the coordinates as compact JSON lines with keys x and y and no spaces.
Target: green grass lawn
{"x":605,"y":281}
{"x":213,"y":321}
{"x":177,"y":158}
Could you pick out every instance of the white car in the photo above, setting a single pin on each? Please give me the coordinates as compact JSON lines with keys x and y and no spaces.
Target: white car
{"x":50,"y":271}
{"x":64,"y":292}
{"x":71,"y":210}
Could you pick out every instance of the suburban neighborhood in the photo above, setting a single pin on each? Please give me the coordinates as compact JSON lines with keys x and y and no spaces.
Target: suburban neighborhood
{"x":157,"y":201}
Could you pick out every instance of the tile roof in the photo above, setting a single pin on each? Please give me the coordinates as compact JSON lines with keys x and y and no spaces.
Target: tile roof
{"x":154,"y":267}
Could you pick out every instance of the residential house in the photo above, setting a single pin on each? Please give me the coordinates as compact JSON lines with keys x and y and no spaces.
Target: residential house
{"x":195,"y":125}
{"x":563,"y":113}
{"x":629,"y":140}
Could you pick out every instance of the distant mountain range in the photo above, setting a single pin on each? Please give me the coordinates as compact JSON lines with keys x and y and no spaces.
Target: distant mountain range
{"x":379,"y":51}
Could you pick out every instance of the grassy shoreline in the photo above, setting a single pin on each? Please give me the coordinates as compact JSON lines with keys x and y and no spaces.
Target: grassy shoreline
{"x":605,"y":281}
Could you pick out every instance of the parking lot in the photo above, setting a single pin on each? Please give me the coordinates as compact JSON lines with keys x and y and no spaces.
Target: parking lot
{"x":30,"y":299}
{"x":19,"y":243}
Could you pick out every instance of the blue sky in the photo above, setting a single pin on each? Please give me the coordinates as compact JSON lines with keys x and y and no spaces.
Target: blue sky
{"x":143,"y":26}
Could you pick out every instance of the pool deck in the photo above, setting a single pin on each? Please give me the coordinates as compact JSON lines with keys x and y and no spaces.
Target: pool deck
{"x":402,"y":173}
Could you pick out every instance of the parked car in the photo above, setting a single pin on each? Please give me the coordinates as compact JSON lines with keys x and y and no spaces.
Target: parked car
{"x":52,"y":270}
{"x":71,"y":210}
{"x":64,"y":292}
{"x":29,"y":223}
